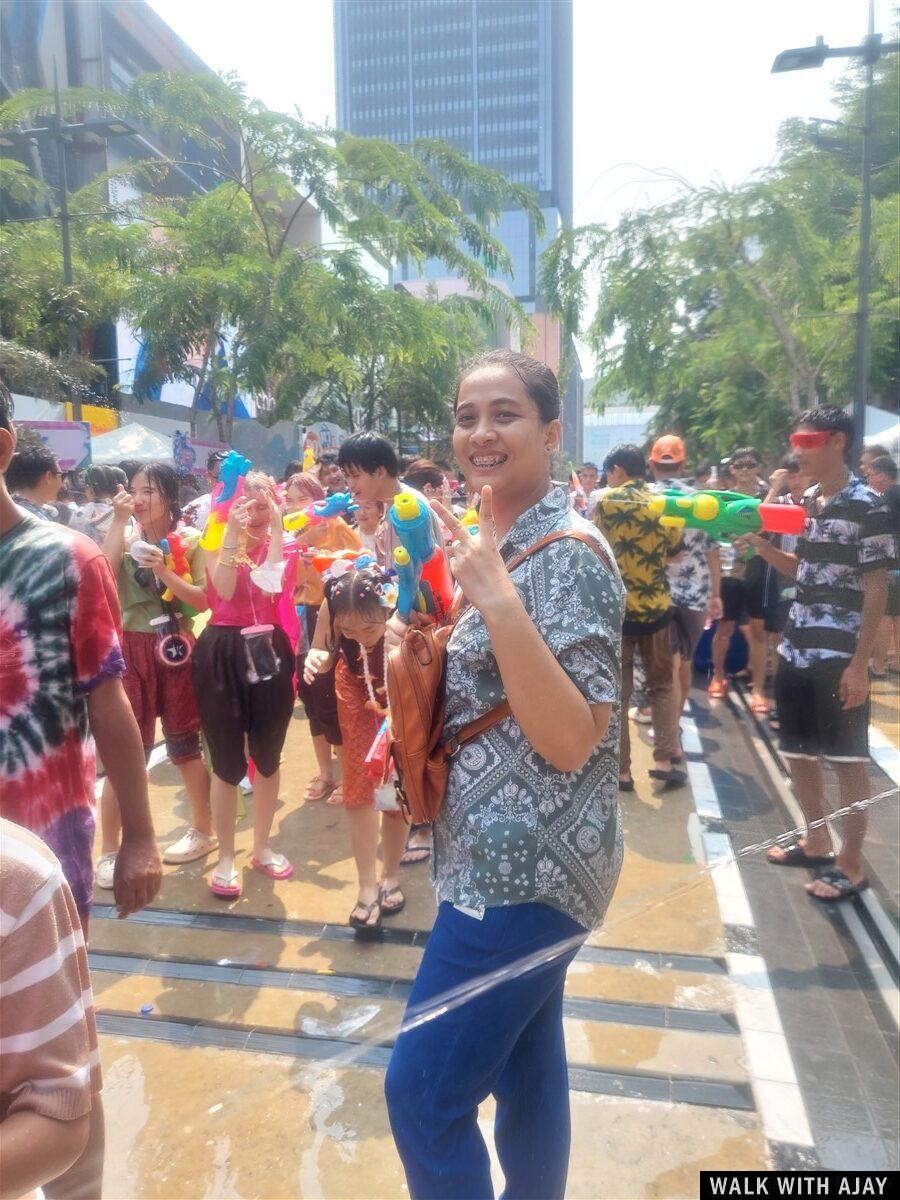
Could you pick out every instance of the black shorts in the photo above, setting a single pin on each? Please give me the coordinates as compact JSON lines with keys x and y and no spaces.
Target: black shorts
{"x":319,"y":699}
{"x":813,"y":723}
{"x":742,"y":599}
{"x":233,"y":709}
{"x":776,"y":616}
{"x":893,"y":596}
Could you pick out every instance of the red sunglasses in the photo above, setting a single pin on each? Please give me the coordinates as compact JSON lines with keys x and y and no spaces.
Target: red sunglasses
{"x":813,"y":439}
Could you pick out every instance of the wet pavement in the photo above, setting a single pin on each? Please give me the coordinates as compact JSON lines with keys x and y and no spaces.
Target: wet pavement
{"x":712,"y":1022}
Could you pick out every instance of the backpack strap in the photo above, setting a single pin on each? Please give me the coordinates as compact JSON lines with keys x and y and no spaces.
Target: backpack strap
{"x":495,"y":715}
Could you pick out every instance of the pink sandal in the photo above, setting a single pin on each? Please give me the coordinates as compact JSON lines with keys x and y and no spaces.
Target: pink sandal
{"x":228,"y":888}
{"x":280,"y":868}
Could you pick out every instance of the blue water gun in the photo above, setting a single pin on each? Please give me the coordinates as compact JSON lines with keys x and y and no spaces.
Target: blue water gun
{"x":339,"y":505}
{"x":423,"y":576}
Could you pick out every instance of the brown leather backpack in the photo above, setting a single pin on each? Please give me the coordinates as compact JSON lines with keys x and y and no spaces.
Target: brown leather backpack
{"x":416,"y":675}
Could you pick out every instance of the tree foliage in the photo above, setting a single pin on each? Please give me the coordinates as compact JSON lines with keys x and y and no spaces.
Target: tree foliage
{"x":308,"y":325}
{"x":731,"y":308}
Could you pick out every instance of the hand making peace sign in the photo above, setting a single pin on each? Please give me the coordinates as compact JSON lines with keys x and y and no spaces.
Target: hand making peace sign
{"x":474,"y":558}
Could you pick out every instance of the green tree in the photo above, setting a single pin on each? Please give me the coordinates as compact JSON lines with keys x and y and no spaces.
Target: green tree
{"x":731,"y":308}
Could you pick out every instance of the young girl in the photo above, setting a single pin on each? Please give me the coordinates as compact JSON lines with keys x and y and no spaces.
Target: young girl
{"x":96,"y":516}
{"x":351,"y":629}
{"x":319,"y":700}
{"x":244,"y":674}
{"x":155,"y":687}
{"x":369,"y":516}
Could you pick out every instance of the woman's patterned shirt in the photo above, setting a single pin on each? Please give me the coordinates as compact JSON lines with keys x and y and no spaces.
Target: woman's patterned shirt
{"x":514,"y":829}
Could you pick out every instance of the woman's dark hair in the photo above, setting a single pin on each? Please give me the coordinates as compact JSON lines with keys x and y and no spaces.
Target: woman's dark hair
{"x":828,"y":418}
{"x":103,"y":481}
{"x":422,"y":471}
{"x":538,"y":380}
{"x":130,"y":466}
{"x":367,"y":452}
{"x":167,"y":482}
{"x":629,"y":457}
{"x":356,"y":591}
{"x":294,"y":467}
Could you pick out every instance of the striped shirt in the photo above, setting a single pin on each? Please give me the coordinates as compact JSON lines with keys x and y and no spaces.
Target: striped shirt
{"x":49,"y":1059}
{"x":847,"y":536}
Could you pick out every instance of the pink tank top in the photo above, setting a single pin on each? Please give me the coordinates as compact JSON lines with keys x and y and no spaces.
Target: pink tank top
{"x":250,"y":605}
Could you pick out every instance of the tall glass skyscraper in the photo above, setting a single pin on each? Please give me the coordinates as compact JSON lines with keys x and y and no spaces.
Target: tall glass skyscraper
{"x":494,"y":79}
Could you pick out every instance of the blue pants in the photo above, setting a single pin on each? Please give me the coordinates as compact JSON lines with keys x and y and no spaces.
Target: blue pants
{"x":506,"y":1042}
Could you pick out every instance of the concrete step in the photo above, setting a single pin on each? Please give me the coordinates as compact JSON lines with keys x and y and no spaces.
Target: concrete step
{"x":600,"y":1036}
{"x":637,"y":979}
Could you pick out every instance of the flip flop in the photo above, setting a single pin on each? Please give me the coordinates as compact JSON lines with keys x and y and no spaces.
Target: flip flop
{"x":391,"y":910}
{"x":319,"y":788}
{"x":717,"y":689}
{"x":761,"y":708}
{"x":279,"y":869}
{"x":363,"y":925}
{"x":413,"y":855}
{"x":845,"y":888}
{"x":626,"y":785}
{"x":672,"y":779}
{"x":796,"y":856}
{"x":226,"y":887}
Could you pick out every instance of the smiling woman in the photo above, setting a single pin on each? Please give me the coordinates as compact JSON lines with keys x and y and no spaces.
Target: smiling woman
{"x":528,"y":843}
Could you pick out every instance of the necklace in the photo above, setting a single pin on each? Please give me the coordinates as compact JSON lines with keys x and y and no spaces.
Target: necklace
{"x":372,"y":702}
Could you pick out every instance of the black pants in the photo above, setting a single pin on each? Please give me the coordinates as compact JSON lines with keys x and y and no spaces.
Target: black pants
{"x":233,"y":709}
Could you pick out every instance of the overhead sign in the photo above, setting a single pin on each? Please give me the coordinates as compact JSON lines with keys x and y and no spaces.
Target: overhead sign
{"x":70,"y":441}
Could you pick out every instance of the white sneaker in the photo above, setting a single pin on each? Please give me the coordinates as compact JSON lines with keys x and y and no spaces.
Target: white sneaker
{"x":193,"y":844}
{"x":640,"y":716}
{"x":106,"y":869}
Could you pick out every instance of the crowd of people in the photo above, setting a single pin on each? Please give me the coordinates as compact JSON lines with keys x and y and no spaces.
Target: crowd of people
{"x":114,"y":617}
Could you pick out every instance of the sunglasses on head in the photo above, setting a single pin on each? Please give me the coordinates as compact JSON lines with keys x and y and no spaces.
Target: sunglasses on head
{"x":810,"y":439}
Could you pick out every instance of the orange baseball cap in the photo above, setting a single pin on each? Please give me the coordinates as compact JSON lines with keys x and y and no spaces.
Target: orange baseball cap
{"x":668,"y":449}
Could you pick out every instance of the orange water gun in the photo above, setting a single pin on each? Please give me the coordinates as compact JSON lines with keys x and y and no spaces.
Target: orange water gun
{"x":176,"y":560}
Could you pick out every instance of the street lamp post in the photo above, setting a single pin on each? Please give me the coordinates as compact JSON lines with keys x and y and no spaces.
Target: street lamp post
{"x":61,"y":132}
{"x":870,"y":50}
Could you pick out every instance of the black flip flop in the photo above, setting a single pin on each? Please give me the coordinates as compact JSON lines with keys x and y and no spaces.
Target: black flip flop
{"x":363,"y":926}
{"x":391,"y":910}
{"x":424,"y":851}
{"x":626,"y":785}
{"x":846,"y":889}
{"x":672,"y":779}
{"x":796,"y":856}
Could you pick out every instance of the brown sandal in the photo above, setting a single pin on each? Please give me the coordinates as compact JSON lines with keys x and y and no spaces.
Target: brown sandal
{"x":387,"y":909}
{"x":319,"y":788}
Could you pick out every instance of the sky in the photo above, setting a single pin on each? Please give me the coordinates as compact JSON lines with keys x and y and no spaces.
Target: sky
{"x":662,"y":88}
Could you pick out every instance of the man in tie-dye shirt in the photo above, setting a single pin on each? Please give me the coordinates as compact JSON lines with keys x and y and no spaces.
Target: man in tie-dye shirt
{"x":61,"y":673}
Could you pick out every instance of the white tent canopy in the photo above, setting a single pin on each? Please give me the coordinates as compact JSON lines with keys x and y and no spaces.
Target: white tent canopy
{"x":134,"y":441}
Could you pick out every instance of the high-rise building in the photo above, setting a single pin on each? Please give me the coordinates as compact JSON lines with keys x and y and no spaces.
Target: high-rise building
{"x":494,"y":79}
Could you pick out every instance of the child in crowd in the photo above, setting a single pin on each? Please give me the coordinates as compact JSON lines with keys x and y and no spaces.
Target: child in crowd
{"x":351,"y":629}
{"x":96,"y":516}
{"x":157,"y":686}
{"x":244,"y":674}
{"x":369,"y":515}
{"x":319,"y":700}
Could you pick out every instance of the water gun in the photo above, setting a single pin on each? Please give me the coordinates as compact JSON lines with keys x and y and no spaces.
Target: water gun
{"x":422,"y":572}
{"x":176,"y":560}
{"x":470,"y":520}
{"x":324,"y":560}
{"x":229,"y":488}
{"x":377,"y":756}
{"x":339,"y":505}
{"x":309,"y":459}
{"x":726,"y":515}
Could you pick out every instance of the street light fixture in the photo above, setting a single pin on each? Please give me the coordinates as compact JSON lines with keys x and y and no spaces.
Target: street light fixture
{"x":870,"y":50}
{"x":62,"y":133}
